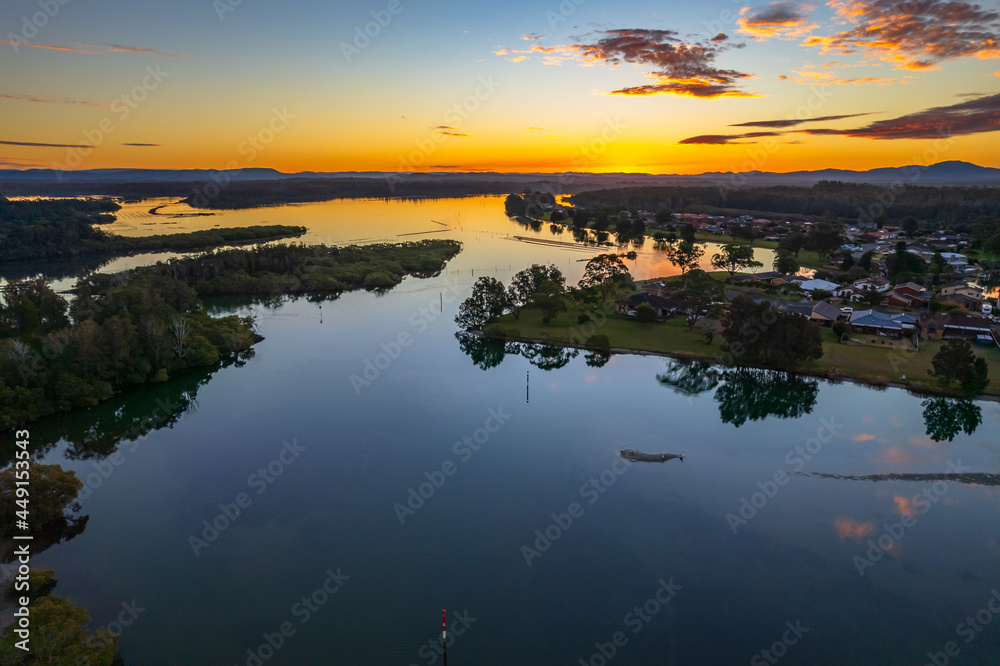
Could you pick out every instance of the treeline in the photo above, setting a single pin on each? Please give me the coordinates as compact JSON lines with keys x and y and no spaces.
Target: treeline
{"x":55,"y":356}
{"x":300,"y":190}
{"x":297,"y":269}
{"x":147,"y":324}
{"x":53,"y":228}
{"x":944,"y":206}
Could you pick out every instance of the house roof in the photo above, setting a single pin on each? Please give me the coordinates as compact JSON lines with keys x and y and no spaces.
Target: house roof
{"x":826,"y":285}
{"x":827,"y":310}
{"x":876,"y":319}
{"x":804,"y":309}
{"x":967,"y":323}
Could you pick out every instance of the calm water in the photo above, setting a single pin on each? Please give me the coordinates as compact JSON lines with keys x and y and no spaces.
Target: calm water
{"x":337,"y":498}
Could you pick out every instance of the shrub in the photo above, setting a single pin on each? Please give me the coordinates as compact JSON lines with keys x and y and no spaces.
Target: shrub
{"x":600,"y":342}
{"x":583,"y":318}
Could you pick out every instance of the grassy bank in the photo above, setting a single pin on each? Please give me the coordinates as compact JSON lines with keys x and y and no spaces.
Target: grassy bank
{"x":878,"y":365}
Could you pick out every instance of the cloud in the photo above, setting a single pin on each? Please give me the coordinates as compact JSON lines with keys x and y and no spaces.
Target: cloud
{"x":781,"y":20}
{"x":118,"y":48}
{"x":848,"y":528}
{"x":915,"y":35}
{"x":809,"y":76}
{"x":72,"y":49}
{"x":727,"y":139}
{"x":55,"y":100}
{"x":792,"y":122}
{"x":864,"y":437}
{"x":448,"y":131}
{"x":674,"y":66}
{"x":89,"y":49}
{"x":532,"y":36}
{"x":42,"y":145}
{"x":143,"y":145}
{"x":973,"y":116}
{"x":538,"y":129}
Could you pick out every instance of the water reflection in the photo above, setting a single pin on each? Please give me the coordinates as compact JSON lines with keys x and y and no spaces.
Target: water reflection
{"x":743,"y":394}
{"x":947,"y":417}
{"x":486,"y":354}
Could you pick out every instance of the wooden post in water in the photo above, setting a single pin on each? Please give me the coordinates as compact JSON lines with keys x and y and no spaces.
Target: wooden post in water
{"x":444,"y":636}
{"x":527,"y":387}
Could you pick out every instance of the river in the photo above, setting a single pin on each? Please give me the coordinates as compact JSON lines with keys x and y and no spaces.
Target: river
{"x":321,"y":503}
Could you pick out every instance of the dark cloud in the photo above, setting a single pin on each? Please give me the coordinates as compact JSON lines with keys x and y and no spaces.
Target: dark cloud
{"x":974,"y":116}
{"x":677,"y":68}
{"x":728,"y":139}
{"x":42,"y":145}
{"x":915,"y":34}
{"x":56,"y":100}
{"x":792,"y":122}
{"x":783,"y":20}
{"x":143,"y":145}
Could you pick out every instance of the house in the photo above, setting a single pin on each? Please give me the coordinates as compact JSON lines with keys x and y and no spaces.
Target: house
{"x":665,"y":307}
{"x":962,"y":288}
{"x":848,"y":293}
{"x":825,"y":285}
{"x":826,"y":313}
{"x":966,"y":326}
{"x":772,"y":277}
{"x":873,"y":321}
{"x":656,"y":288}
{"x":877,"y":283}
{"x":908,"y":295}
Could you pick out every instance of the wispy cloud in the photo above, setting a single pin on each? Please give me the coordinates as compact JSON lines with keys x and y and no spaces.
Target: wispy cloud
{"x":793,"y":122}
{"x":674,"y":66}
{"x":974,"y":116}
{"x":73,"y":49}
{"x":448,"y":131}
{"x":95,"y":49}
{"x":118,"y":48}
{"x":143,"y":145}
{"x":55,"y":100}
{"x":916,"y":35}
{"x":538,"y":129}
{"x":781,"y":20}
{"x":42,"y":145}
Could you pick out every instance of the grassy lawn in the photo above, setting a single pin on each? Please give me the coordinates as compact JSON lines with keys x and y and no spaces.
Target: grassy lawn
{"x":875,"y":363}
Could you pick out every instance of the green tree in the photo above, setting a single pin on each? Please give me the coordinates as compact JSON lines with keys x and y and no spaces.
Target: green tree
{"x":825,"y":238}
{"x":31,"y":308}
{"x":525,"y":283}
{"x":550,"y":298}
{"x":59,"y":635}
{"x":487,"y":302}
{"x":759,"y":333}
{"x":956,"y":362}
{"x":793,"y":242}
{"x":733,"y":257}
{"x":53,"y":492}
{"x":607,"y":276}
{"x":645,"y":313}
{"x":785,"y":262}
{"x":664,"y":216}
{"x":839,"y":329}
{"x":700,"y":295}
{"x":514,"y":205}
{"x":685,"y":255}
{"x":688,"y":232}
{"x":909,"y":226}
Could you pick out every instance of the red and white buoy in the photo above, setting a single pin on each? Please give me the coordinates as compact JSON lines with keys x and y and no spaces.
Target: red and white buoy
{"x":444,"y":636}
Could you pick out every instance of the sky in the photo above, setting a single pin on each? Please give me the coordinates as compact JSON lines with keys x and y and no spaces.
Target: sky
{"x":549,"y":86}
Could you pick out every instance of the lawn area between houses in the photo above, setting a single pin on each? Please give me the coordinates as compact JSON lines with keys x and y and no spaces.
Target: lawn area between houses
{"x":866,"y":364}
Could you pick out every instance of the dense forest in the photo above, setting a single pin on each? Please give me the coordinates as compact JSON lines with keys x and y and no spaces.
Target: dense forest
{"x":148,"y":324}
{"x":943,"y":207}
{"x":58,"y":228}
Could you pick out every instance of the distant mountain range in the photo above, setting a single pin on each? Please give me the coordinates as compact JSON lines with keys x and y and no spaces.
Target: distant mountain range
{"x":942,"y":173}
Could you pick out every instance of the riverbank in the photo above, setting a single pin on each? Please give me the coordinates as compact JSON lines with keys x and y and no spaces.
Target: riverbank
{"x":870,"y":365}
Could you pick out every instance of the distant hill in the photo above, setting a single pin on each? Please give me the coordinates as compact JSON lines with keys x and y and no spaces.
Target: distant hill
{"x":180,"y":182}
